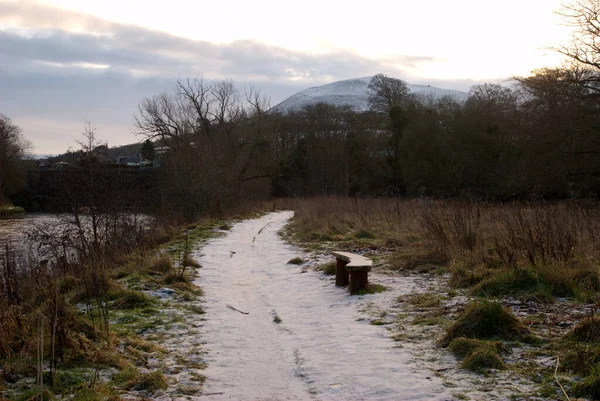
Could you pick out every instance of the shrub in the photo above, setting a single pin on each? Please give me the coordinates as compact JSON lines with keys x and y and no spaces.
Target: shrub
{"x":296,"y":261}
{"x":484,"y":319}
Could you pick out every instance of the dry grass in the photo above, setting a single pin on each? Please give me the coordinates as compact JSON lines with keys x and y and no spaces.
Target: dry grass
{"x":556,"y":243}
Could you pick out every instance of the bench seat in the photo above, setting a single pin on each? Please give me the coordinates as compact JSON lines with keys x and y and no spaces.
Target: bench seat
{"x":352,"y":269}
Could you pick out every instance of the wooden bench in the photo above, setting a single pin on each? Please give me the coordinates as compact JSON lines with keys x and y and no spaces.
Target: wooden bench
{"x":353,"y":269}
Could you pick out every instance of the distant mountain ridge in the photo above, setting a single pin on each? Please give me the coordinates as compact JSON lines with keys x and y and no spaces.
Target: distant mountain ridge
{"x":353,"y":93}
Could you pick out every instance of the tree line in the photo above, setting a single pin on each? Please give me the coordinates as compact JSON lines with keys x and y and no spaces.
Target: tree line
{"x":537,"y":138}
{"x":534,"y":137}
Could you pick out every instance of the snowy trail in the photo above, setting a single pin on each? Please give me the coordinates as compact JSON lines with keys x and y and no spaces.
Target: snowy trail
{"x":319,"y":351}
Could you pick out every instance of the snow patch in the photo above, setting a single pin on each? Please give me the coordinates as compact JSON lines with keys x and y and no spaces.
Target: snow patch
{"x":324,"y":346}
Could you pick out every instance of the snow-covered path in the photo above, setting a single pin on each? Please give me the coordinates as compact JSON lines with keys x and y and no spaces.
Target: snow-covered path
{"x":321,"y":350}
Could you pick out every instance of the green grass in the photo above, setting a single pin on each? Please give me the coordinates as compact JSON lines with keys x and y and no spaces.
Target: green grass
{"x":296,"y":261}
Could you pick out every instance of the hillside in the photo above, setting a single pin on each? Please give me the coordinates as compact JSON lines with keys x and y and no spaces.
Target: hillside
{"x":353,"y":93}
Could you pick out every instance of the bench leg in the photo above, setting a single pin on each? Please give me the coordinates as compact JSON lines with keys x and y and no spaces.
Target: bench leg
{"x":358,"y":281}
{"x":341,"y":274}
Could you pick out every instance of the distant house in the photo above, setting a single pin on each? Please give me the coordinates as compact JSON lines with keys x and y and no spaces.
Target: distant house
{"x":60,"y":165}
{"x":133,"y":161}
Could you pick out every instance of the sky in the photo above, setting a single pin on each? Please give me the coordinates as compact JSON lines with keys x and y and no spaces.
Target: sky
{"x":64,"y":62}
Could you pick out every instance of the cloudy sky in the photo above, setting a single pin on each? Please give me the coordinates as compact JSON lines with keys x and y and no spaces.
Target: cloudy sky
{"x":66,"y":61}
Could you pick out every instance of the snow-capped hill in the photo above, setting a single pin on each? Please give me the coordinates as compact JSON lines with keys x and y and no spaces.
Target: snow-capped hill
{"x":353,"y":93}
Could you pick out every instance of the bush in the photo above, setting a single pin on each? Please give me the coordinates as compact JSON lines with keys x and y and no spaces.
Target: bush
{"x":486,"y":320}
{"x":296,"y":261}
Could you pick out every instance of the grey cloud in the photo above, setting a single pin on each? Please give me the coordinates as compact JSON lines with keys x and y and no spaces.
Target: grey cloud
{"x":41,"y":76}
{"x":132,"y":48}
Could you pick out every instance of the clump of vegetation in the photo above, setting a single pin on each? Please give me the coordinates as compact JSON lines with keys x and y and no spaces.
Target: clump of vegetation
{"x":188,"y":261}
{"x":421,"y":299}
{"x":478,"y":355}
{"x":296,"y":261}
{"x":482,"y":359}
{"x":587,"y":331}
{"x":7,"y":210}
{"x":364,"y":234}
{"x":462,"y":347}
{"x":508,"y":283}
{"x":372,"y":289}
{"x":590,"y":386}
{"x":486,"y":320}
{"x":416,"y":258}
{"x":150,"y":382}
{"x":162,"y":263}
{"x":328,"y":268}
{"x":130,"y":299}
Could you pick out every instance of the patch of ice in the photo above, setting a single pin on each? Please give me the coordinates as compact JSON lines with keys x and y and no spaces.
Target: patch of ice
{"x":164,"y":293}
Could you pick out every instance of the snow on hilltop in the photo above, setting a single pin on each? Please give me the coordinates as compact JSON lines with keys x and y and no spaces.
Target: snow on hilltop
{"x":353,"y":93}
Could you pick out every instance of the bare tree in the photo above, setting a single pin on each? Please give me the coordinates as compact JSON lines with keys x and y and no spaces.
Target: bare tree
{"x":166,"y":117}
{"x":386,"y":92}
{"x":13,"y":147}
{"x":584,"y":49}
{"x":218,"y":143}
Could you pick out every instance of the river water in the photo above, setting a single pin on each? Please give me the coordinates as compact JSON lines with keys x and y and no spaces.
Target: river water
{"x":13,"y":231}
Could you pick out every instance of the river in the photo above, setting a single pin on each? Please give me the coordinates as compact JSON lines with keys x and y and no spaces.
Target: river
{"x":13,"y":231}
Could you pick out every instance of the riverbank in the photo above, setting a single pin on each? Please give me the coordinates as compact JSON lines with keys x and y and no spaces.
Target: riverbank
{"x":106,"y":329}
